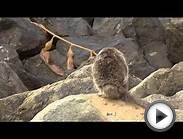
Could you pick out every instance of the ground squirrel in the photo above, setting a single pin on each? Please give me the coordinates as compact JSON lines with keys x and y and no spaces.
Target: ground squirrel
{"x":110,"y":76}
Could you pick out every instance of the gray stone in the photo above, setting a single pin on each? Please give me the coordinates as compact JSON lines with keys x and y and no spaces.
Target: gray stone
{"x":148,"y":30}
{"x":174,"y":34}
{"x":115,"y":27}
{"x":34,"y":101}
{"x":66,"y":26}
{"x":176,"y":100}
{"x":10,"y":56}
{"x":156,"y":54}
{"x":10,"y":83}
{"x":164,"y":81}
{"x":21,"y":35}
{"x":71,"y":108}
{"x":148,"y":33}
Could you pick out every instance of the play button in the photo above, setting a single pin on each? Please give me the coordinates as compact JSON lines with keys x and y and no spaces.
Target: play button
{"x":159,"y":116}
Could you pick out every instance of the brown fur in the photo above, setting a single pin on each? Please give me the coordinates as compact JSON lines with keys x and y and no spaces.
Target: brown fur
{"x":110,"y":75}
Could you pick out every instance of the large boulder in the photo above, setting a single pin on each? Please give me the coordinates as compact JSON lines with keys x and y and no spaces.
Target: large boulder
{"x":110,"y":26}
{"x":84,"y":72}
{"x":9,"y":105}
{"x":148,"y":33}
{"x":70,"y":109}
{"x":21,"y":35}
{"x":10,"y":56}
{"x":148,"y":30}
{"x":89,"y":108}
{"x":19,"y":39}
{"x":115,"y":27}
{"x":151,"y":38}
{"x":10,"y":83}
{"x":27,"y":39}
{"x":144,"y":30}
{"x":164,"y":81}
{"x":66,"y":26}
{"x":93,"y":108}
{"x":32,"y":102}
{"x":176,"y":100}
{"x":174,"y":41}
{"x":156,"y":54}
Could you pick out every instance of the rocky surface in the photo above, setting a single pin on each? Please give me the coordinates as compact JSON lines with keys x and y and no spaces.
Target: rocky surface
{"x":163,"y":81}
{"x":10,"y":56}
{"x":10,"y":83}
{"x":149,"y":33}
{"x":34,"y":101}
{"x":31,"y":102}
{"x":66,"y":26}
{"x":71,"y":108}
{"x":89,"y":108}
{"x":27,"y":105}
{"x":93,"y":108}
{"x":21,"y":35}
{"x":28,"y":87}
{"x":174,"y":40}
{"x":175,"y":100}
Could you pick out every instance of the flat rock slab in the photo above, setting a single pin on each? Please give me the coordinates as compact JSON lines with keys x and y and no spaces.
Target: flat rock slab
{"x":90,"y":107}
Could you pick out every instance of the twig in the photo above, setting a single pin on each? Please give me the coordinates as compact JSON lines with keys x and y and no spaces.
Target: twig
{"x":72,"y":44}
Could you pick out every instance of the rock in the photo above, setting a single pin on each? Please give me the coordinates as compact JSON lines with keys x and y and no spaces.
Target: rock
{"x":140,"y":67}
{"x":137,"y":64}
{"x":34,"y":101}
{"x":143,"y":30}
{"x":133,"y":81}
{"x":21,"y":35}
{"x":114,"y":26}
{"x":17,"y":34}
{"x":9,"y":105}
{"x":10,"y":56}
{"x":156,"y":54}
{"x":83,"y":72}
{"x":164,"y":81}
{"x":151,"y":38}
{"x":10,"y":83}
{"x":69,"y":109}
{"x":176,"y":100}
{"x":66,"y":26}
{"x":148,"y":33}
{"x":30,"y":81}
{"x":174,"y":34}
{"x":90,"y":20}
{"x":89,"y":108}
{"x":148,"y":30}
